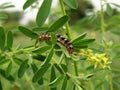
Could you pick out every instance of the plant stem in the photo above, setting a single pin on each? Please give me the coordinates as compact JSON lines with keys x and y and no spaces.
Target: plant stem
{"x":111,"y":85}
{"x":66,"y":25}
{"x":102,"y":20}
{"x":68,"y":33}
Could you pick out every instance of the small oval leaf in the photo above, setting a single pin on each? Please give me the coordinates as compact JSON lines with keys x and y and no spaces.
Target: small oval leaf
{"x":8,"y":70}
{"x":2,"y":38}
{"x":59,"y":23}
{"x":72,"y":3}
{"x":38,"y":75}
{"x":57,"y":81}
{"x":9,"y":39}
{"x":23,"y":68}
{"x":28,"y":3}
{"x":43,"y":12}
{"x":28,"y":32}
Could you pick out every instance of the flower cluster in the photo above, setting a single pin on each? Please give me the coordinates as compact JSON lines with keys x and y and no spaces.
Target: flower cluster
{"x":99,"y":60}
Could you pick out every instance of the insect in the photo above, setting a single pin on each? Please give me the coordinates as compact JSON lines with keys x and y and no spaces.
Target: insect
{"x":60,"y":39}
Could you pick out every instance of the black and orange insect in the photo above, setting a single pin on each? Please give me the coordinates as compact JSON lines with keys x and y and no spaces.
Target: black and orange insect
{"x":60,"y":39}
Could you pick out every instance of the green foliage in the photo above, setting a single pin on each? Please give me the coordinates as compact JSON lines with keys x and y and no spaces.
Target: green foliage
{"x":43,"y":12}
{"x":2,"y":38}
{"x":59,"y":23}
{"x":72,"y":3}
{"x":23,"y":68}
{"x":38,"y":75}
{"x":28,"y":32}
{"x":9,"y":39}
{"x":48,"y":64}
{"x":28,"y":3}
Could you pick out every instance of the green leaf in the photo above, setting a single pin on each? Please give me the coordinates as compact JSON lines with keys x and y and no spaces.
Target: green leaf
{"x":57,"y":81}
{"x":64,"y":85}
{"x":117,"y":5}
{"x":43,"y":12}
{"x":2,"y":38}
{"x":23,"y":68}
{"x":40,"y":82}
{"x":39,"y":57}
{"x":9,"y":39}
{"x":28,"y":32}
{"x":18,"y":60}
{"x":54,"y":38}
{"x":8,"y":70}
{"x":34,"y":68}
{"x":72,"y":3}
{"x":58,"y":68}
{"x":41,"y":49}
{"x":6,"y":5}
{"x":77,"y":39}
{"x":64,"y":67}
{"x":52,"y":77}
{"x":10,"y":78}
{"x":4,"y":61}
{"x":38,"y":75}
{"x":109,"y":9}
{"x":48,"y":58}
{"x":59,"y":23}
{"x":28,"y":3}
{"x":1,"y":85}
{"x":83,"y":42}
{"x":3,"y":16}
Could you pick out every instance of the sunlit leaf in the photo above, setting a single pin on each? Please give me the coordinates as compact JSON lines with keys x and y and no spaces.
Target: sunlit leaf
{"x":28,"y":32}
{"x":72,"y":3}
{"x":8,"y":70}
{"x":28,"y":3}
{"x":43,"y":12}
{"x":57,"y":81}
{"x":2,"y":38}
{"x":38,"y":75}
{"x":9,"y":39}
{"x":23,"y":68}
{"x":4,"y":61}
